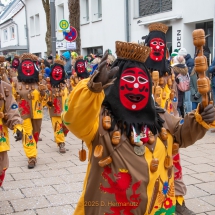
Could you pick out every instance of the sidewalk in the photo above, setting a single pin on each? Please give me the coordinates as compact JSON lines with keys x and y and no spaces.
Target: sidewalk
{"x":55,"y":184}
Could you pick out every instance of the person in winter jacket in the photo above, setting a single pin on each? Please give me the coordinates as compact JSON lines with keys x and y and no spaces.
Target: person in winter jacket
{"x":179,"y":67}
{"x":190,"y":64}
{"x":68,"y":64}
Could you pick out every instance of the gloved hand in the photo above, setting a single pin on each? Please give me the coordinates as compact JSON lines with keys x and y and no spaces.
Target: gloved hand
{"x":195,"y":97}
{"x":18,"y":135}
{"x":104,"y":75}
{"x":208,"y":114}
{"x":50,"y":103}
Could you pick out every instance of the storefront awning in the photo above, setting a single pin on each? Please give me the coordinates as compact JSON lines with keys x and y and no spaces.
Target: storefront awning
{"x":139,"y":22}
{"x":13,"y":48}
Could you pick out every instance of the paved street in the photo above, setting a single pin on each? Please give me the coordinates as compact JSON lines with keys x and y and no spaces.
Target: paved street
{"x":54,"y":186}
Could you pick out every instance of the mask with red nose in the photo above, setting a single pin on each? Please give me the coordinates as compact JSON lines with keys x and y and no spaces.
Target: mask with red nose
{"x":57,"y":73}
{"x":157,"y":46}
{"x":81,"y":69}
{"x":156,"y":40}
{"x":28,"y":67}
{"x":27,"y":72}
{"x":15,"y":63}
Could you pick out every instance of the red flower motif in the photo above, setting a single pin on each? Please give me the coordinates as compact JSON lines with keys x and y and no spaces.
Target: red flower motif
{"x":167,"y":203}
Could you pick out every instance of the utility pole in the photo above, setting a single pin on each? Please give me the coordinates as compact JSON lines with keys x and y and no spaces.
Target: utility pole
{"x":26,"y":21}
{"x":53,"y":33}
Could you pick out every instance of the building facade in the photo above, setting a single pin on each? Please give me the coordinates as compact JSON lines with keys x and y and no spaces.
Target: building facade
{"x":128,"y":20}
{"x":37,"y":26}
{"x":104,"y":22}
{"x":13,"y":29}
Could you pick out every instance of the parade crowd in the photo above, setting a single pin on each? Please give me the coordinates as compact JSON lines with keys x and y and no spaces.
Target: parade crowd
{"x":133,"y":111}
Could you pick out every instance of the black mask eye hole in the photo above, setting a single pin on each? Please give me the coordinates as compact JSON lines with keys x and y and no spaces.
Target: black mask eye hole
{"x":154,"y":43}
{"x":142,"y":80}
{"x":129,"y":78}
{"x":161,"y":44}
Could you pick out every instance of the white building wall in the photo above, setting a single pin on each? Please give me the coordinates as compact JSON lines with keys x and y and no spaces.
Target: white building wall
{"x":19,"y":19}
{"x":19,"y":32}
{"x":108,"y":29}
{"x":37,"y":39}
{"x":111,"y":26}
{"x":192,"y":12}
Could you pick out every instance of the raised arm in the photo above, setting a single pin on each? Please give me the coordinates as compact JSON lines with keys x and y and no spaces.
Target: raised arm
{"x":81,"y":114}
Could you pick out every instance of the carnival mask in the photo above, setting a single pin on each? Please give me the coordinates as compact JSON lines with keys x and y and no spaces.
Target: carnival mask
{"x":28,"y":68}
{"x":57,"y":73}
{"x":134,"y":88}
{"x":15,"y":63}
{"x":81,"y":67}
{"x":157,"y":46}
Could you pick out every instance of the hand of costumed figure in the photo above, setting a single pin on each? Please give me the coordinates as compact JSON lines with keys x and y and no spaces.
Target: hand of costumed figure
{"x":208,"y":115}
{"x":103,"y":75}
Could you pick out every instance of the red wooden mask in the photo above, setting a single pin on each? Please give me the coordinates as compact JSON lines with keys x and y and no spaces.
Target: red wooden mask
{"x":134,"y":88}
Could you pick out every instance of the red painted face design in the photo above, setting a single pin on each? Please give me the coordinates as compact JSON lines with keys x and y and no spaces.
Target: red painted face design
{"x":80,"y":67}
{"x":28,"y":67}
{"x":157,"y":46}
{"x":15,"y":63}
{"x":57,"y":73}
{"x":134,"y":89}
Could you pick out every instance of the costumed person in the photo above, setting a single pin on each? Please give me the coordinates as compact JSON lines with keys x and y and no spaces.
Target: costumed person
{"x":89,"y":58}
{"x":130,"y":140}
{"x":12,"y":72}
{"x":166,"y":94}
{"x":58,"y":94}
{"x":9,"y":118}
{"x":80,"y":71}
{"x":165,"y":89}
{"x":30,"y":91}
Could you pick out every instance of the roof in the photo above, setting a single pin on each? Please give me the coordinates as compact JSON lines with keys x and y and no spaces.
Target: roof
{"x":13,"y":12}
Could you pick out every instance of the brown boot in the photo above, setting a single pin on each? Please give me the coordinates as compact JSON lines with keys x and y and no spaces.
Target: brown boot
{"x":62,"y":148}
{"x":183,"y":210}
{"x":32,"y":163}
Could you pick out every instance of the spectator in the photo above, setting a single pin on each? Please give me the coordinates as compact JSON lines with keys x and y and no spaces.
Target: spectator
{"x":190,"y":65}
{"x":66,"y":56}
{"x":188,"y":59}
{"x":50,"y":60}
{"x":195,"y":96}
{"x":179,"y":67}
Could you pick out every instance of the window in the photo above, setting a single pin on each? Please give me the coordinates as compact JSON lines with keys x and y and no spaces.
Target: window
{"x":5,"y":35}
{"x":96,"y":10}
{"x":149,"y":7}
{"x":84,"y":9}
{"x":60,"y":10}
{"x":12,"y":33}
{"x":37,"y":24}
{"x":99,"y":8}
{"x":87,"y":10}
{"x":32,"y":26}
